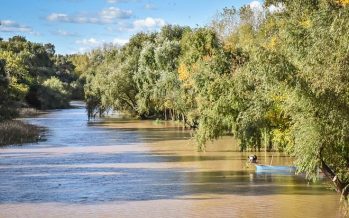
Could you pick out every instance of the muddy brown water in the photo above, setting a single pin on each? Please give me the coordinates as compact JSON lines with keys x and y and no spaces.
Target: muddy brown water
{"x":128,"y":168}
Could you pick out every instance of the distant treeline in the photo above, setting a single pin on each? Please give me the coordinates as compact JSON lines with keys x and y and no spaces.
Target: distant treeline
{"x":32,"y":75}
{"x":275,"y":77}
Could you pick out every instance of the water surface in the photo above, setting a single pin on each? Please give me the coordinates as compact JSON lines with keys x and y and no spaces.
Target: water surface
{"x":128,"y":168}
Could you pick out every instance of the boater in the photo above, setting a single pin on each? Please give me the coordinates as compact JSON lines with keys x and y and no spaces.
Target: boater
{"x":252,"y":158}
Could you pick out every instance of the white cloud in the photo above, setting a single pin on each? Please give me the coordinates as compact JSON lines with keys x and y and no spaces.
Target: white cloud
{"x":148,"y":23}
{"x":118,"y":41}
{"x":58,"y":17}
{"x":256,"y":5}
{"x":106,"y":16}
{"x":276,"y":9}
{"x":14,"y":27}
{"x":64,"y":33}
{"x":149,"y":6}
{"x":89,"y":44}
{"x":119,"y":1}
{"x":112,"y":13}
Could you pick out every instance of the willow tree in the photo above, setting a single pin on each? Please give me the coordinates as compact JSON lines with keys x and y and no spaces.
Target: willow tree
{"x":295,"y":85}
{"x":200,"y":49}
{"x":231,"y":103}
{"x":314,"y":41}
{"x":109,"y":82}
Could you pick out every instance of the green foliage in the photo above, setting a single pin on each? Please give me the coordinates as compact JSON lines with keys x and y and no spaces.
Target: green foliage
{"x":24,"y":68}
{"x":140,"y":78}
{"x":5,"y":111}
{"x":53,"y":94}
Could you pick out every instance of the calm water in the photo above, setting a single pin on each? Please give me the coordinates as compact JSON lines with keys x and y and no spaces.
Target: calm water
{"x":127,"y":168}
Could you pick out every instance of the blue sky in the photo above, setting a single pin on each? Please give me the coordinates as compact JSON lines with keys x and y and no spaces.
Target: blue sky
{"x":79,"y":25}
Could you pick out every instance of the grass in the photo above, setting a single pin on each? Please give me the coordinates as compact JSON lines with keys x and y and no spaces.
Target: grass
{"x":29,"y":112}
{"x":17,"y":132}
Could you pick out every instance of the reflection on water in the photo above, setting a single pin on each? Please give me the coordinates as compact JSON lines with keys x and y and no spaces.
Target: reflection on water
{"x":139,"y":168}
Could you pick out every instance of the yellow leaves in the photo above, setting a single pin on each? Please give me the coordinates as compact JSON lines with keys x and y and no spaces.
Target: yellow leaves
{"x":19,"y":89}
{"x":81,"y":63}
{"x":278,"y":98}
{"x":276,"y":115}
{"x":343,"y":2}
{"x":14,"y":64}
{"x":168,"y":104}
{"x":273,"y":116}
{"x":282,"y":138}
{"x":306,"y":23}
{"x":228,"y":46}
{"x":207,"y":58}
{"x":183,"y":72}
{"x":272,"y":44}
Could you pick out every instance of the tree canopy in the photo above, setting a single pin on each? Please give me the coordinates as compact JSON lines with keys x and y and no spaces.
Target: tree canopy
{"x":26,"y":68}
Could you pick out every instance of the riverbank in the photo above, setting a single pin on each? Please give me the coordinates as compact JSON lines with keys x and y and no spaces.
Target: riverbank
{"x":17,"y":132}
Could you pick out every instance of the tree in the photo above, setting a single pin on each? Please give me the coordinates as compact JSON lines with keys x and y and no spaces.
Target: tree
{"x":28,"y":65}
{"x":53,"y":94}
{"x":5,"y":109}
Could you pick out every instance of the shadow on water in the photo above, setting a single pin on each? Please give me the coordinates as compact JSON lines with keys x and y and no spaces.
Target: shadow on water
{"x":87,"y":178}
{"x":37,"y":158}
{"x":71,"y":127}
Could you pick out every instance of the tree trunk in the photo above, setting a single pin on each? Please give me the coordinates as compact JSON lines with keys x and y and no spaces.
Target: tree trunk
{"x":183,"y":119}
{"x":340,"y":186}
{"x":170,"y":114}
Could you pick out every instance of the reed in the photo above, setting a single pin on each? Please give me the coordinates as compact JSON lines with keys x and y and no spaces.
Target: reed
{"x":15,"y":132}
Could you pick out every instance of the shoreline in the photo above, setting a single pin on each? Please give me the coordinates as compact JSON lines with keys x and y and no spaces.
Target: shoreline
{"x":18,"y":132}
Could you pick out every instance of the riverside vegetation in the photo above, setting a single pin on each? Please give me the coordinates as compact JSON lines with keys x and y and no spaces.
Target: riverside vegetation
{"x":32,"y":76}
{"x":275,"y":78}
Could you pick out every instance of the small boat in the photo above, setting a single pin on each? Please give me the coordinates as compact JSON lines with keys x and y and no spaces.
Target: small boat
{"x":275,"y":169}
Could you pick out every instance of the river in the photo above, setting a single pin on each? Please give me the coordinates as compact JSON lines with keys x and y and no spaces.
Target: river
{"x":118,"y":167}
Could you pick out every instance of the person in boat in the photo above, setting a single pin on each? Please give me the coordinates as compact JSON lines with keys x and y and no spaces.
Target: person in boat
{"x":252,"y":158}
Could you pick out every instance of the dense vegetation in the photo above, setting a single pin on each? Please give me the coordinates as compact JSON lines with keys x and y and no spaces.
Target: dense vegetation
{"x":275,"y":79}
{"x":31,"y":75}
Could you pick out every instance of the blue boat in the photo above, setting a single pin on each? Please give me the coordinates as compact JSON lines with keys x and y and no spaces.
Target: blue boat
{"x":275,"y":169}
